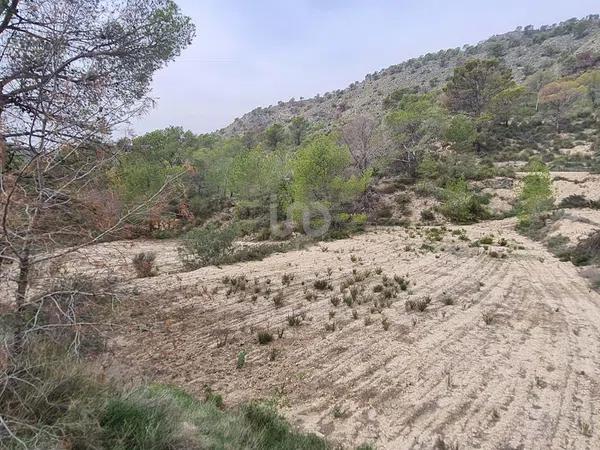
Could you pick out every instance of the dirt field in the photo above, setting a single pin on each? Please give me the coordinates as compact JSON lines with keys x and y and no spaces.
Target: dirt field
{"x":528,"y":379}
{"x":504,"y":355}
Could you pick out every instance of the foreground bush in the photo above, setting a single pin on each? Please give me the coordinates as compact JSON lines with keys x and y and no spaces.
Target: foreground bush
{"x":50,"y":401}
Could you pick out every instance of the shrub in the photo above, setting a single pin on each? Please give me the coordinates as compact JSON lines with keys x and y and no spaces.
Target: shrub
{"x":55,"y":403}
{"x":264,"y":337}
{"x":144,"y":264}
{"x":322,"y":285}
{"x":139,"y":421}
{"x":486,"y":240}
{"x":241,"y":359}
{"x":427,"y":215}
{"x":536,"y":197}
{"x":575,"y":201}
{"x":587,"y":251}
{"x":417,"y":305}
{"x":462,"y":205}
{"x":208,"y":245}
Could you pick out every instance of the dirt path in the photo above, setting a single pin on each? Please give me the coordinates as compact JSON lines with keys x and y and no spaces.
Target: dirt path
{"x":529,"y":379}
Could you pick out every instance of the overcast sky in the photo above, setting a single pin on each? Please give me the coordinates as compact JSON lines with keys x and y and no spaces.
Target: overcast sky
{"x":254,"y":53}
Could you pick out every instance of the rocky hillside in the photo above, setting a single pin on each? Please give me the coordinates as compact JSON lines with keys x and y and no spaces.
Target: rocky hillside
{"x":565,"y":48}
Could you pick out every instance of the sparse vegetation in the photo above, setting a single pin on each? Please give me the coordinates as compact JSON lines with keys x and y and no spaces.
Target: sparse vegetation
{"x":265,"y":337}
{"x":144,"y":264}
{"x":488,"y":317}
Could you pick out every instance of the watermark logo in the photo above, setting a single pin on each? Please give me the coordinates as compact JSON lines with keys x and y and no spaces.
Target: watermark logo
{"x":314,"y":218}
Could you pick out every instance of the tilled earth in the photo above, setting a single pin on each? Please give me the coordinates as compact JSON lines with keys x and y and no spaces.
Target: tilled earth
{"x":504,"y":355}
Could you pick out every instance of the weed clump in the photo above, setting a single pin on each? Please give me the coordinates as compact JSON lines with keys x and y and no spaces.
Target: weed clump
{"x":417,"y":305}
{"x":322,"y":284}
{"x":264,"y":337}
{"x":144,"y":264}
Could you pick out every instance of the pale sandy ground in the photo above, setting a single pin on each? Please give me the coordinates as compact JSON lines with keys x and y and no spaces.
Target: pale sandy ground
{"x":565,"y":184}
{"x":527,"y":380}
{"x":576,"y":224}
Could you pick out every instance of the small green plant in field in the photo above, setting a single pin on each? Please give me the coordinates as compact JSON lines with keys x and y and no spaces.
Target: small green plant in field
{"x":348,"y":300}
{"x":401,"y":282}
{"x":330,"y":326}
{"x":427,"y":215}
{"x":486,"y":240}
{"x":335,"y":300}
{"x":339,"y":413}
{"x":585,"y":428}
{"x":365,"y":447}
{"x":241,"y":359}
{"x":447,"y":299}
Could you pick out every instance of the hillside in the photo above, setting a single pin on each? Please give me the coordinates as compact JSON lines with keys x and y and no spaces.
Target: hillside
{"x":565,"y":48}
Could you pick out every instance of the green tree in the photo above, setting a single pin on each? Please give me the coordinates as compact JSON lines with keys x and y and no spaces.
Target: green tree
{"x":298,"y":129}
{"x":558,"y":96}
{"x":70,"y":70}
{"x":461,"y":133}
{"x":255,"y":175}
{"x":274,"y":135}
{"x":509,"y":104}
{"x":415,"y":126}
{"x":321,"y":174}
{"x":591,"y":81}
{"x":149,"y":161}
{"x":472,"y":86}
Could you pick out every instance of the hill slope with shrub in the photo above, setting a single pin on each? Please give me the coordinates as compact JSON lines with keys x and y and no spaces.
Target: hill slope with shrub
{"x":563,"y":49}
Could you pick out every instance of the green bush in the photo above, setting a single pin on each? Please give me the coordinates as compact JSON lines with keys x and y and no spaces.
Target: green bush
{"x":536,"y":197}
{"x":141,"y":420}
{"x":56,"y":403}
{"x":206,"y":245}
{"x":460,"y":204}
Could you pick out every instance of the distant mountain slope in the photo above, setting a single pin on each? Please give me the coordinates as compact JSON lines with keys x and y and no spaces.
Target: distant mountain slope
{"x":568,"y":47}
